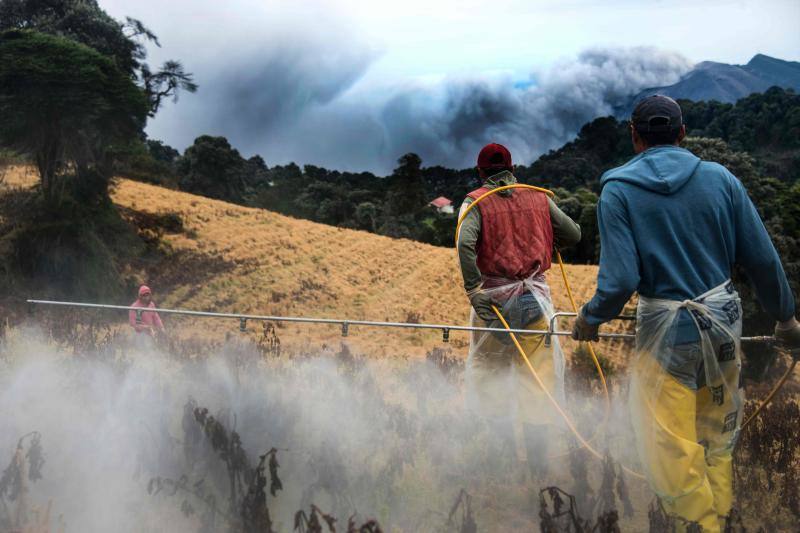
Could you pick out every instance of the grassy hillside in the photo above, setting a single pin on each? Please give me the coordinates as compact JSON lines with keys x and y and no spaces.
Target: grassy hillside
{"x":236,"y":259}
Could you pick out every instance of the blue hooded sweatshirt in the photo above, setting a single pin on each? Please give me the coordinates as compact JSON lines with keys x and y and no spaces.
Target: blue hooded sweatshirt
{"x":671,"y":227}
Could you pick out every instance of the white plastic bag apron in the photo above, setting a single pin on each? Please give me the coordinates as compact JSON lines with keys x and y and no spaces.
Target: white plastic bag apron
{"x":499,"y":384}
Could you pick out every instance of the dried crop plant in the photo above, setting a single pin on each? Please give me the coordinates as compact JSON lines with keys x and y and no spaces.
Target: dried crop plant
{"x":269,"y":344}
{"x":660,"y":521}
{"x":25,"y":466}
{"x":461,"y":518}
{"x":246,"y":510}
{"x":612,"y":487}
{"x":314,"y":520}
{"x":558,"y":513}
{"x":448,"y":363}
{"x":767,"y":461}
{"x":310,"y":523}
{"x":370,"y":526}
{"x":578,"y":468}
{"x":83,"y":332}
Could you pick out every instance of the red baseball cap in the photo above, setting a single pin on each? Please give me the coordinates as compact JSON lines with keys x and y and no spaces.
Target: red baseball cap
{"x":494,"y":156}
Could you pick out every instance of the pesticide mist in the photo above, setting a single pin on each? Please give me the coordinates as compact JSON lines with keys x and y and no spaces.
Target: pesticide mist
{"x":140,"y":440}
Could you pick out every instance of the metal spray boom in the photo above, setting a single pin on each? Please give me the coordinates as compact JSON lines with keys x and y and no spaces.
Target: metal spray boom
{"x":346,"y":323}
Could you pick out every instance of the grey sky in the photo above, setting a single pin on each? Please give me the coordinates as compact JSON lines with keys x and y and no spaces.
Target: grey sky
{"x":353,"y":85}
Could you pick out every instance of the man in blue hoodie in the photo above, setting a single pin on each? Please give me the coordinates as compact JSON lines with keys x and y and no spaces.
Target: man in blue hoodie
{"x":671,"y":228}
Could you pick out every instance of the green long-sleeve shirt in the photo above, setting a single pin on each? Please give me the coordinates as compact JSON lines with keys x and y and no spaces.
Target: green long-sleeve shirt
{"x":566,"y":232}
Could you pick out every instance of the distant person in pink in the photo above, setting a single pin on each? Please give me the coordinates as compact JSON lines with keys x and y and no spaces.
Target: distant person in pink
{"x":145,"y":321}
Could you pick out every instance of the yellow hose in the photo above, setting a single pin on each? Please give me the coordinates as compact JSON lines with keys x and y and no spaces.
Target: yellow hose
{"x":571,"y":300}
{"x":771,"y":394}
{"x":561,"y":412}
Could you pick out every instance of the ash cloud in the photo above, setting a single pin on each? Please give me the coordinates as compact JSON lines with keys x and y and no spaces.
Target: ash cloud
{"x":266,"y":71}
{"x":303,"y":103}
{"x":293,"y":82}
{"x":267,"y":96}
{"x":531,"y":119}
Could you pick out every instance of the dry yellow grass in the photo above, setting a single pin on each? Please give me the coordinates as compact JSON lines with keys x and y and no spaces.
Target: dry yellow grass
{"x":286,"y":266}
{"x":18,"y":177}
{"x":237,"y":259}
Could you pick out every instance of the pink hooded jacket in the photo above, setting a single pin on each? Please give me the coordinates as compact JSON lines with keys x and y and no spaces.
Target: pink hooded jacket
{"x":149,"y":319}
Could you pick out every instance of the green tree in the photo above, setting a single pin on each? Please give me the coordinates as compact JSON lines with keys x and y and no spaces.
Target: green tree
{"x":777,"y":203}
{"x":366,"y":216}
{"x":406,"y":193}
{"x":256,"y":171}
{"x":149,"y":161}
{"x":437,"y":228}
{"x":161,"y":152}
{"x":765,"y":125}
{"x":85,"y":22}
{"x":67,"y":106}
{"x":213,"y":168}
{"x":282,"y":185}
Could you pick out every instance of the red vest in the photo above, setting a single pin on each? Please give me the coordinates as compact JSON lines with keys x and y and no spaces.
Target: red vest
{"x":516,"y":238}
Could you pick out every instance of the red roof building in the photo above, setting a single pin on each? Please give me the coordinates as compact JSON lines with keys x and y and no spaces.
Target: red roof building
{"x":442,"y":204}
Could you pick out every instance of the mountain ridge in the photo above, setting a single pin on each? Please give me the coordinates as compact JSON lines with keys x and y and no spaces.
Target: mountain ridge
{"x":723,"y":82}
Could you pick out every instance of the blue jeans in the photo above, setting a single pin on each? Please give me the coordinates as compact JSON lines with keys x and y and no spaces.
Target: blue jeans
{"x":519,"y":311}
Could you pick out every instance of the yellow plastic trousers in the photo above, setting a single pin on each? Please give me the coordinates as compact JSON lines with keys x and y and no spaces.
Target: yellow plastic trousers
{"x":498,"y":383}
{"x":691,"y":483}
{"x":686,"y":405}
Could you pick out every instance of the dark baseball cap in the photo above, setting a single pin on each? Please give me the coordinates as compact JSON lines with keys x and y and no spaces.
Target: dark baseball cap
{"x":494,"y":156}
{"x":657,"y":113}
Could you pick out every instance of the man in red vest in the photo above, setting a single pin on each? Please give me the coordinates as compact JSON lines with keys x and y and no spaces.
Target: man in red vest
{"x":505,"y":246}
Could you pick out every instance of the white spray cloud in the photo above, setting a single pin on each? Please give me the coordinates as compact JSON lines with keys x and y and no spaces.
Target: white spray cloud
{"x":386,"y":439}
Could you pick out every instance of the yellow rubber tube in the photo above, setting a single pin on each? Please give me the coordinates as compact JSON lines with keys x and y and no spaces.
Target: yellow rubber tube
{"x":560,"y":411}
{"x":771,"y":394}
{"x":569,"y":294}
